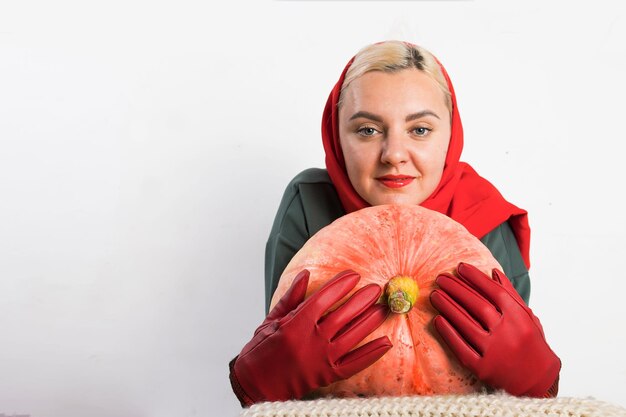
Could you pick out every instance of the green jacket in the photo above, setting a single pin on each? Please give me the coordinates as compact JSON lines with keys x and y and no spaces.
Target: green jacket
{"x":310,"y":202}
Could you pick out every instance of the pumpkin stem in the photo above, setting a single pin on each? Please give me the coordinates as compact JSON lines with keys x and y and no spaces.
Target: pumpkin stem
{"x":401,"y":292}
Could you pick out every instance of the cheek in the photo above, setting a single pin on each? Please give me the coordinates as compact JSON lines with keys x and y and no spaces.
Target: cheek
{"x":355,"y":164}
{"x":348,"y":158}
{"x":441,"y":152}
{"x":432,"y":161}
{"x":360,"y":166}
{"x":357,"y":158}
{"x":441,"y":157}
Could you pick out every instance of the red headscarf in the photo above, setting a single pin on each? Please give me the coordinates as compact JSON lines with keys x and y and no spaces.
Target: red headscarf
{"x":462,"y":194}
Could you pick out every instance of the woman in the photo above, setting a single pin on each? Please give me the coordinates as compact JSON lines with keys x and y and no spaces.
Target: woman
{"x":392,"y":135}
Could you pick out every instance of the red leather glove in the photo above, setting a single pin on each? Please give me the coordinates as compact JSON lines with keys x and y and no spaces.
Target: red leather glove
{"x":299,"y":348}
{"x":494,"y":334}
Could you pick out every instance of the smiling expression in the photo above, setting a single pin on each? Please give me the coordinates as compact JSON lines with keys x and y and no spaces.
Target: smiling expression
{"x":394,"y":130}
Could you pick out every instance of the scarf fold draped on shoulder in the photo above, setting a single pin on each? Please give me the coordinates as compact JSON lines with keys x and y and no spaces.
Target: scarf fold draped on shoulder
{"x":462,"y":194}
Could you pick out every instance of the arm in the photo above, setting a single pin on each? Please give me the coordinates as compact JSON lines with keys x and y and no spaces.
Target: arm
{"x":289,"y":233}
{"x":309,"y":203}
{"x":503,"y":246}
{"x":275,"y":365}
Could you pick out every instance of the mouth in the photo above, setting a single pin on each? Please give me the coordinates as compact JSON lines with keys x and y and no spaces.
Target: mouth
{"x":395,"y":181}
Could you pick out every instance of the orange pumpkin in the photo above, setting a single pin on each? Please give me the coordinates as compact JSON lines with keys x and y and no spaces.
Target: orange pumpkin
{"x":380,"y":243}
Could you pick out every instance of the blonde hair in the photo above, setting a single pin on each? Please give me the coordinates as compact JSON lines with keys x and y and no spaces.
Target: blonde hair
{"x":393,"y":56}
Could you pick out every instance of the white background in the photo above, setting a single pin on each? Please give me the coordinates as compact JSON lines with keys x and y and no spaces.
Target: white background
{"x":145,"y":145}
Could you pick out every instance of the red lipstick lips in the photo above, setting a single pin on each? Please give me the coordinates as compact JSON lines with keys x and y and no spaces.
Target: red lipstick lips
{"x":395,"y":181}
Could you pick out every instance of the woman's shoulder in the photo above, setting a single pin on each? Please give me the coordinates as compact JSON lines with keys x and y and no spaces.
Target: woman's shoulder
{"x":310,"y":187}
{"x":311,"y":176}
{"x":312,"y":196}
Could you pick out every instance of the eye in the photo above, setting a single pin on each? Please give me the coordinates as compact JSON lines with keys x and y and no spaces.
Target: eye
{"x":367,"y":131}
{"x":421,"y":131}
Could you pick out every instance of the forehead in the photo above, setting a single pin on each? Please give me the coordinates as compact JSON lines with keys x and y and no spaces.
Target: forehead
{"x":407,"y":90}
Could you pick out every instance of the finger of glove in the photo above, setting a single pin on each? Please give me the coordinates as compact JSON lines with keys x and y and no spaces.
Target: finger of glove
{"x":478,"y":307}
{"x":362,"y":357}
{"x":500,"y":277}
{"x":483,"y":284}
{"x":469,"y":329}
{"x":461,"y":349}
{"x":358,"y":329}
{"x":329,"y":294}
{"x":358,"y":302}
{"x":291,"y":299}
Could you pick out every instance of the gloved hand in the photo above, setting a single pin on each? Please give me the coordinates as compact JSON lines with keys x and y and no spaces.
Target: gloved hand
{"x":299,"y":348}
{"x":494,"y":334}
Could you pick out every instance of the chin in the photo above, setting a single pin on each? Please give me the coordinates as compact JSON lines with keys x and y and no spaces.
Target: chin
{"x":396,"y":200}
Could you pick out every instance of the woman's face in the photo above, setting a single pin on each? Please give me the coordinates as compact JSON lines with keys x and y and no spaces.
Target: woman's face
{"x":394,"y":130}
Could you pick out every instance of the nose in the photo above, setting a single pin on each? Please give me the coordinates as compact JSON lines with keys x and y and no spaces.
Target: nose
{"x":394,"y":151}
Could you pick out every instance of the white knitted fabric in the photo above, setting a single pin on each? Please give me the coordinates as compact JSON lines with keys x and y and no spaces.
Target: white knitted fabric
{"x":479,"y":405}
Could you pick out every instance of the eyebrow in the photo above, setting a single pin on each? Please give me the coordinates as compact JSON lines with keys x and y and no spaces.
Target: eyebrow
{"x":366,"y":115}
{"x":409,"y":118}
{"x":421,"y":114}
